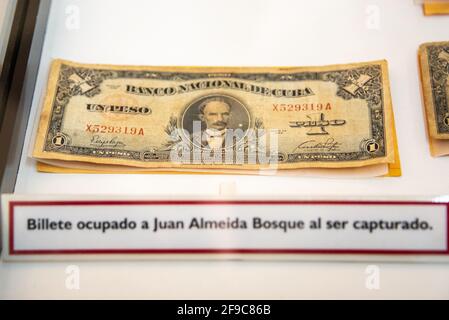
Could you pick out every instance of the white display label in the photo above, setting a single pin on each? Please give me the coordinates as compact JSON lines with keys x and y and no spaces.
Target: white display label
{"x":223,"y":227}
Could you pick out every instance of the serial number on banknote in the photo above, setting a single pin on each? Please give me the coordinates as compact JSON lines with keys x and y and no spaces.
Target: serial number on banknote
{"x":98,"y":128}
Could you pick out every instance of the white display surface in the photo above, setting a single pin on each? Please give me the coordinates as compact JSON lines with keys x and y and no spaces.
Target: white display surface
{"x":242,"y":33}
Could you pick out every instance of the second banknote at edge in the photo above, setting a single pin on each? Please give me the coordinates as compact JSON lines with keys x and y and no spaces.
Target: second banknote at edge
{"x":218,"y":119}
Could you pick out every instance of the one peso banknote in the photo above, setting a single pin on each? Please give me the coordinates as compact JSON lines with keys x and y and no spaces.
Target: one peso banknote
{"x":223,"y":118}
{"x":434,"y":62}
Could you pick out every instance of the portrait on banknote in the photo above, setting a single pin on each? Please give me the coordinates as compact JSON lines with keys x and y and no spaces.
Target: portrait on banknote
{"x":212,"y":120}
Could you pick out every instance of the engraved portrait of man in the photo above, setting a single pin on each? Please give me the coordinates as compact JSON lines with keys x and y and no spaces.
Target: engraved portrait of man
{"x":215,"y":126}
{"x":214,"y":113}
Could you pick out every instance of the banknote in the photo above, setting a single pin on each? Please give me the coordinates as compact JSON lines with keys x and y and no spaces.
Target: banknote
{"x":434,"y":62}
{"x":217,"y":118}
{"x":435,"y":7}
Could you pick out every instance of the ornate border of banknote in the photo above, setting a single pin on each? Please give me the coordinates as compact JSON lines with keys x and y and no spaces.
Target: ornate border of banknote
{"x":434,"y":59}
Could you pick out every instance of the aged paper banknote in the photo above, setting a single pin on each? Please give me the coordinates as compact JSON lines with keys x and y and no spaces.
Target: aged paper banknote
{"x":435,"y":7}
{"x":217,"y":118}
{"x":434,"y":61}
